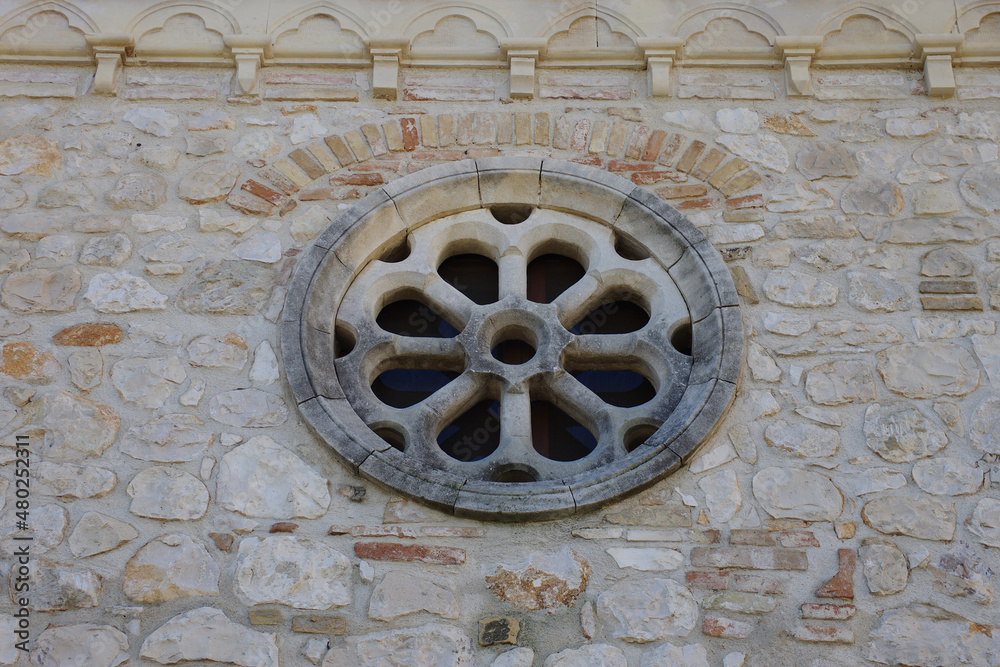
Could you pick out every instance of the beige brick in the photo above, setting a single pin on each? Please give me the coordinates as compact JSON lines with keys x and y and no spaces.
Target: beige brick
{"x":505,"y":128}
{"x":728,"y":171}
{"x":358,"y":145}
{"x":325,"y":158}
{"x":446,"y":130}
{"x":339,"y":148}
{"x":616,"y":141}
{"x":428,"y":130}
{"x":393,"y":136}
{"x":522,"y":128}
{"x":374,"y":138}
{"x":541,"y":129}
{"x":599,"y":138}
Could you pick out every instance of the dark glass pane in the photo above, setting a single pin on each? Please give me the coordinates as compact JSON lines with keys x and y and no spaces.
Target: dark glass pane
{"x":474,"y":435}
{"x":614,"y":317}
{"x":551,"y":275}
{"x":513,"y":352}
{"x":412,"y":318}
{"x":622,"y":388}
{"x":475,"y":276}
{"x":401,"y":388}
{"x":557,"y":436}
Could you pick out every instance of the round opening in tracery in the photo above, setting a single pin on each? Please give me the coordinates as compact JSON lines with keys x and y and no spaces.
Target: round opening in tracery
{"x":512,"y":338}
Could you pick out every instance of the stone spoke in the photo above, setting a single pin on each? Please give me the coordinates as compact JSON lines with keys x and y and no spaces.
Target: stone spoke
{"x":447,"y":301}
{"x":596,"y":347}
{"x":576,"y":399}
{"x":432,"y":352}
{"x":513,"y":274}
{"x":574,"y":304}
{"x":515,"y":422}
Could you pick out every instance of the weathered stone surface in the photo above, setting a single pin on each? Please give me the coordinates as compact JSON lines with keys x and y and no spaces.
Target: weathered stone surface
{"x":840,"y":382}
{"x":264,"y":247}
{"x":138,"y":192}
{"x":66,"y":194}
{"x":97,"y":533}
{"x":309,"y":224}
{"x":400,"y":593}
{"x":171,"y":249}
{"x":876,"y":480}
{"x":722,"y":495}
{"x":207,"y":634}
{"x":172,"y":438}
{"x":48,"y":528}
{"x":947,"y":262}
{"x":431,"y":645}
{"x":543,"y":581}
{"x":740,"y":602}
{"x":227,"y":288}
{"x":159,"y":492}
{"x":877,"y":292}
{"x":791,"y":493}
{"x":799,"y":290}
{"x":30,"y":226}
{"x":985,"y":522}
{"x":946,"y":153}
{"x":923,"y":635}
{"x":787,"y":324}
{"x":825,"y":255}
{"x":123,"y":293}
{"x":248,"y":408}
{"x":518,"y":657}
{"x":68,"y":480}
{"x":294,"y":571}
{"x":923,"y":518}
{"x":928,"y":230}
{"x":792,"y":197}
{"x":588,"y":655}
{"x":645,"y":610}
{"x":762,"y":366}
{"x":80,"y":644}
{"x":29,"y":154}
{"x":902,"y":433}
{"x":961,"y":572}
{"x":56,"y":587}
{"x":872,"y":197}
{"x":910,"y":127}
{"x":928,"y":370}
{"x":985,"y":428}
{"x":885,"y":567}
{"x":979,"y":186}
{"x":987,"y":348}
{"x":228,"y":351}
{"x":737,"y":121}
{"x":41,"y":290}
{"x":826,"y":159}
{"x":111,"y":250}
{"x":805,"y":440}
{"x":12,"y":256}
{"x":86,"y":369}
{"x":211,"y":220}
{"x":646,"y":559}
{"x":935,"y":201}
{"x":148,"y":382}
{"x":75,"y":427}
{"x":168,"y":568}
{"x":762,"y":149}
{"x":263,"y":479}
{"x":25,"y":362}
{"x":945,"y":476}
{"x":264,"y":369}
{"x":815,"y":226}
{"x":158,"y":122}
{"x":210,"y":181}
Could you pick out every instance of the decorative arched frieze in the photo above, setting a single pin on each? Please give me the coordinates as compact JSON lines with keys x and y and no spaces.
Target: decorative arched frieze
{"x":981,"y":23}
{"x":727,"y":33}
{"x":862,"y":34}
{"x":592,"y":37}
{"x":319,"y":38}
{"x":48,"y":31}
{"x":455,"y":39}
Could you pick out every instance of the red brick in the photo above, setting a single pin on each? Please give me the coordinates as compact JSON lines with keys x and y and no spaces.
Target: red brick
{"x":440,"y":154}
{"x":683,"y":191}
{"x":650,"y":177}
{"x":592,"y":161}
{"x":749,"y":558}
{"x":842,"y":584}
{"x":578,"y":140}
{"x":407,"y":553}
{"x":828,"y":612}
{"x":670,"y":148}
{"x":264,"y":192}
{"x":378,"y":531}
{"x":713,"y":581}
{"x":698,"y":204}
{"x":337,"y":194}
{"x":378,"y":165}
{"x":309,"y":78}
{"x":824,"y":633}
{"x":249,"y":203}
{"x":307,"y":162}
{"x":654,"y":145}
{"x":725,"y":628}
{"x":278,"y":180}
{"x":639,"y":139}
{"x":374,"y":178}
{"x":411,"y":139}
{"x":797,"y":539}
{"x":745,"y":583}
{"x":621,"y":165}
{"x":451,"y":531}
{"x":748,"y":201}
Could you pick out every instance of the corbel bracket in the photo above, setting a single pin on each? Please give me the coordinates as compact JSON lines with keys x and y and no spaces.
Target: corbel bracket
{"x":660,"y":55}
{"x":109,"y":50}
{"x":249,"y":52}
{"x":386,"y":56}
{"x":522,"y":56}
{"x":797,"y":53}
{"x":936,"y":53}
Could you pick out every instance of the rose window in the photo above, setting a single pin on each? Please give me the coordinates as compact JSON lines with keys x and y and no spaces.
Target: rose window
{"x":512,"y":338}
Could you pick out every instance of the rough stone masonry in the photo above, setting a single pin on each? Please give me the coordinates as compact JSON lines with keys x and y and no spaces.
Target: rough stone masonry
{"x":164,"y":166}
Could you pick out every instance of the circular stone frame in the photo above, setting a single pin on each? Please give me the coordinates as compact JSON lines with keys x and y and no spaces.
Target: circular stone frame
{"x":382,"y":221}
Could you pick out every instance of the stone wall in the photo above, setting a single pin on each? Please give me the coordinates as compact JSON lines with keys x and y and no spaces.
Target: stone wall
{"x":844,"y":513}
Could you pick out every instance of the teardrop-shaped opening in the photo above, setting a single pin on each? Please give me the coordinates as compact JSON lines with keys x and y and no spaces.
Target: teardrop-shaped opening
{"x":621,"y":388}
{"x":630,"y":249}
{"x":613,"y":317}
{"x":681,"y":338}
{"x":397,"y":252}
{"x":475,"y":276}
{"x":511,"y":214}
{"x":557,"y":436}
{"x":401,"y":388}
{"x":637,"y":435}
{"x":392,"y":437}
{"x":550,"y":275}
{"x":474,"y":435}
{"x":343,"y":342}
{"x":409,"y":317}
{"x":511,"y":474}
